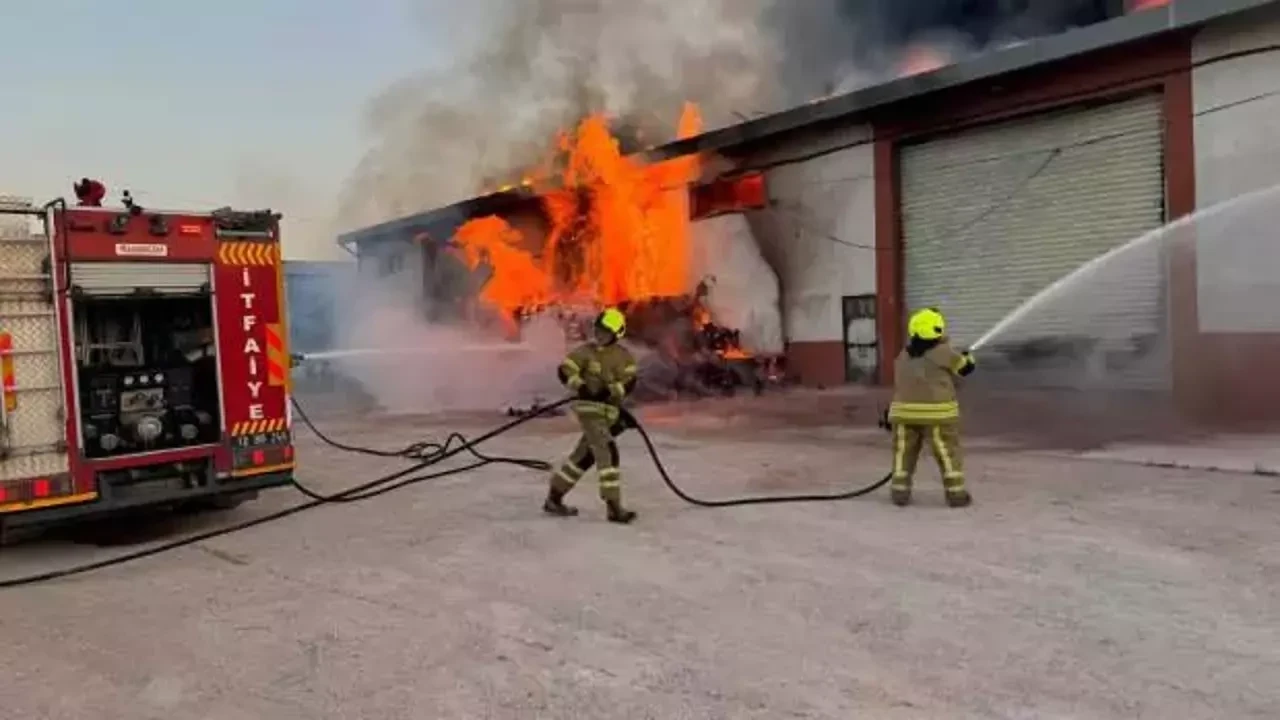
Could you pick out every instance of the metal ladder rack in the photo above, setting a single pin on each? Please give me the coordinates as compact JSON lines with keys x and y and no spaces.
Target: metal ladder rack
{"x":32,"y":415}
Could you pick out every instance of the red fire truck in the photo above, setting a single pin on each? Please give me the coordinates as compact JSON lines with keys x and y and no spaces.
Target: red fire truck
{"x":144,"y":359}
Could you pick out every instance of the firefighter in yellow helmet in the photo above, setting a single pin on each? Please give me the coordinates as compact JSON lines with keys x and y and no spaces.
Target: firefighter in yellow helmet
{"x":602,"y":373}
{"x":925,"y":407}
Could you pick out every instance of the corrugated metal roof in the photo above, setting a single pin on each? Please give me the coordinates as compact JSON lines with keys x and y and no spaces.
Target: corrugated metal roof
{"x":1178,"y":15}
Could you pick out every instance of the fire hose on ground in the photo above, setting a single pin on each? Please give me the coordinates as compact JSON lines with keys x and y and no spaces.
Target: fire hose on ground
{"x":424,"y":455}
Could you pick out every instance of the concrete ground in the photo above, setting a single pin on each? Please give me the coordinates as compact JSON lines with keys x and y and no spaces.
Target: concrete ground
{"x":1073,"y":589}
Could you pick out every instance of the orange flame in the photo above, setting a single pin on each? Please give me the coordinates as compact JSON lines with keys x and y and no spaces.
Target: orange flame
{"x":1139,"y":5}
{"x":701,"y":317}
{"x":492,"y":240}
{"x":619,"y":229}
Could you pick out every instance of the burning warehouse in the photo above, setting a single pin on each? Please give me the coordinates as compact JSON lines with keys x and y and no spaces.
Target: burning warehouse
{"x":971,"y":186}
{"x":599,"y":228}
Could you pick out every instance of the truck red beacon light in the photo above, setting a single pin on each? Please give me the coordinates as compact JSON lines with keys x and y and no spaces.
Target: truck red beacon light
{"x":144,"y":359}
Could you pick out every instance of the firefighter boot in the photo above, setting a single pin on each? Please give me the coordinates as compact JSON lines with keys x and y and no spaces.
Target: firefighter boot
{"x":617,"y":514}
{"x":901,"y":496}
{"x":900,"y":491}
{"x":611,"y":494}
{"x":957,"y":494}
{"x":554,"y":504}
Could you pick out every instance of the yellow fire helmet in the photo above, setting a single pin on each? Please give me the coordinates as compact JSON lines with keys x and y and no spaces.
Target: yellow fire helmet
{"x":614,"y":321}
{"x":927,"y":324}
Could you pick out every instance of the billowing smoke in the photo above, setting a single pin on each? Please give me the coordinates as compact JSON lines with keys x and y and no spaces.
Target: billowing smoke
{"x":877,"y":40}
{"x":983,"y":22}
{"x":405,"y":365}
{"x":531,"y":69}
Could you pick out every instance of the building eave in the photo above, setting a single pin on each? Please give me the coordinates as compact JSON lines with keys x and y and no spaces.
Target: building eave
{"x":439,"y":223}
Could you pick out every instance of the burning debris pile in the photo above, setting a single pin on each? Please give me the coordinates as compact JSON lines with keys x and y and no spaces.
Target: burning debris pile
{"x":613,"y":231}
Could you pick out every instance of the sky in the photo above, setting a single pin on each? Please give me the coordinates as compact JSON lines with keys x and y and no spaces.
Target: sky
{"x":196,"y":105}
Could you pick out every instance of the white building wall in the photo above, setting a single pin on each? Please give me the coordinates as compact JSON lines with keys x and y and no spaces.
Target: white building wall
{"x":390,"y":260}
{"x":819,"y":230}
{"x":1237,"y":107}
{"x":390,"y":278}
{"x":1237,"y":150}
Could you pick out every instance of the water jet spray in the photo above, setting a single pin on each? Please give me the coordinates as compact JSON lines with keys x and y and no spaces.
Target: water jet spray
{"x":1060,"y":286}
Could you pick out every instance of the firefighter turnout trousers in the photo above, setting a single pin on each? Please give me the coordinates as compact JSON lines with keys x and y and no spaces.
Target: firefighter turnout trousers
{"x":600,"y":425}
{"x":944,"y":440}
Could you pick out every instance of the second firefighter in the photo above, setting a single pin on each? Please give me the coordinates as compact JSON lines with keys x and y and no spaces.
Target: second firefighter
{"x":602,"y":373}
{"x":926,"y":409}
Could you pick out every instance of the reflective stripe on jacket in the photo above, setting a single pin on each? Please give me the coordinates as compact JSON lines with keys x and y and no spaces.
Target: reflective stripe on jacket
{"x":924,"y":389}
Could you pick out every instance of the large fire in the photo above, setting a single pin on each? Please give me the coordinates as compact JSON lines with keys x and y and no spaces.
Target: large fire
{"x":619,"y":230}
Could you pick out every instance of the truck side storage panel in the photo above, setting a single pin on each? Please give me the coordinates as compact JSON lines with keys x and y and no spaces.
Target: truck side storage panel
{"x":254,"y":355}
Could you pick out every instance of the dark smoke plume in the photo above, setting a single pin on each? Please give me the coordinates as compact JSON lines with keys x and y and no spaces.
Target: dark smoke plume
{"x":838,"y":45}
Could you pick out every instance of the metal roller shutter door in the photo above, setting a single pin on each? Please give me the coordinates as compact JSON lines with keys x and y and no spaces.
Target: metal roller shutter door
{"x":109,"y":278}
{"x":992,"y":216}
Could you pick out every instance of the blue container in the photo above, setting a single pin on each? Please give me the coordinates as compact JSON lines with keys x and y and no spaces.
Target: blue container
{"x":312,"y":289}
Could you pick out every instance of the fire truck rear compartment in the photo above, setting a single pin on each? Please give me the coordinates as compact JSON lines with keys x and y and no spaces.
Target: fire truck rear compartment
{"x":146,"y":374}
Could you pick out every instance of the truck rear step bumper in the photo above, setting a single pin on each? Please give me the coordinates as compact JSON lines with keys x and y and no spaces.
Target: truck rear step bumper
{"x":103,"y":506}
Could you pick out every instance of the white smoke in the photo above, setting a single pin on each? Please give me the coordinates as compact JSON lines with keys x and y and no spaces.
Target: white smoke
{"x":744,"y":292}
{"x":525,"y":71}
{"x":410,"y":366}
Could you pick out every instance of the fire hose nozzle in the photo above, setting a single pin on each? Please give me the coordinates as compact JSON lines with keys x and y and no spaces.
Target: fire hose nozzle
{"x":296,"y":359}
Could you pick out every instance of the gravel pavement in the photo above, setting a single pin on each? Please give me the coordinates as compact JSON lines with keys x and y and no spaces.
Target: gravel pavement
{"x":1072,"y":589}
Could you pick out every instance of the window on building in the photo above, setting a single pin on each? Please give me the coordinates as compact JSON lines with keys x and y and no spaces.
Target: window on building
{"x":728,"y":195}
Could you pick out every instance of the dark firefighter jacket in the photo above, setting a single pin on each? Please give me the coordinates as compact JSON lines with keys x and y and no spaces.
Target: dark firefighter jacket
{"x":924,"y":385}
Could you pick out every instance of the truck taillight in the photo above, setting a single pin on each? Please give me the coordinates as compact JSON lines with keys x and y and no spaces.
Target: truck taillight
{"x":21,"y":492}
{"x":261,"y":453}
